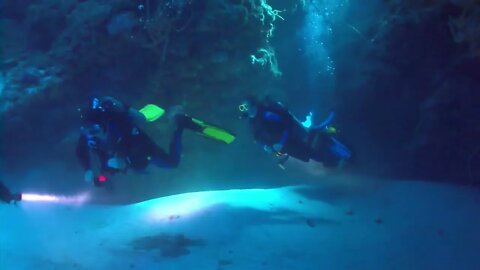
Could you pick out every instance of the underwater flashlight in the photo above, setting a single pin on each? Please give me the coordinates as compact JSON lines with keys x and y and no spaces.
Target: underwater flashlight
{"x":50,"y":198}
{"x":100,"y":180}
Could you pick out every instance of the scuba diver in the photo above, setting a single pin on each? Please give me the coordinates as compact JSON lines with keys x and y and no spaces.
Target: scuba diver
{"x":282,"y":134}
{"x":7,"y":196}
{"x":111,"y":138}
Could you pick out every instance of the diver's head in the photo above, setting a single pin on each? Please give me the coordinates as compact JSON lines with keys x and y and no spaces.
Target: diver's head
{"x":248,"y":107}
{"x":93,"y":131}
{"x":93,"y":119}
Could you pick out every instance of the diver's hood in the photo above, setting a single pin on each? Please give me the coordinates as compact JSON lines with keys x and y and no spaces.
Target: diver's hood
{"x":90,"y":116}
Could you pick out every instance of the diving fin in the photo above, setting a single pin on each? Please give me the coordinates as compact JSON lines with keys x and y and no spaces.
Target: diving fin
{"x":152,"y":112}
{"x":211,"y":131}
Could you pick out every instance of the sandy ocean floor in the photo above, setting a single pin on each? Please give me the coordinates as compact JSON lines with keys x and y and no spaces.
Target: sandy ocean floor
{"x":398,"y":225}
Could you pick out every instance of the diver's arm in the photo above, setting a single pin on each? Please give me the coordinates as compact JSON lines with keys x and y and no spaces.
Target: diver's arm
{"x":84,"y":156}
{"x":273,"y":117}
{"x":279,"y":146}
{"x":7,"y":196}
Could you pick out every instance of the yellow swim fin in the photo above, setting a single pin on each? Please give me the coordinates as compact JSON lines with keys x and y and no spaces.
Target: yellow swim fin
{"x":213,"y":132}
{"x":152,"y":112}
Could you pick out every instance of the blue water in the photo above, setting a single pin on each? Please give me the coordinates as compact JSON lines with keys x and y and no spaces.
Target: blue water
{"x":400,"y":78}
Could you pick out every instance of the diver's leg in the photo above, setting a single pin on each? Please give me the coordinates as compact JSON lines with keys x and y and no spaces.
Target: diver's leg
{"x":320,"y":145}
{"x":171,"y":159}
{"x":330,"y":151}
{"x":340,"y":149}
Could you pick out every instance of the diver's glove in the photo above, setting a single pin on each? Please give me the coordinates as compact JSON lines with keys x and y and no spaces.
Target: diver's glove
{"x":117,"y":163}
{"x":268,"y":149}
{"x":274,"y":149}
{"x":88,"y":177}
{"x":277,"y":147}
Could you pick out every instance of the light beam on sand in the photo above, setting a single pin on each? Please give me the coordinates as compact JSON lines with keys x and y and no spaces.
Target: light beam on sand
{"x":47,"y":198}
{"x":192,"y":204}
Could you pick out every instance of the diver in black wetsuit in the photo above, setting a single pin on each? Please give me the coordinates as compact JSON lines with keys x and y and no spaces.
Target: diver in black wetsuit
{"x":7,"y":196}
{"x":274,"y":127}
{"x":110,"y":134}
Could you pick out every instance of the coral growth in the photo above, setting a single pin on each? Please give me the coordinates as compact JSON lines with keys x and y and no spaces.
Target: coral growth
{"x":267,"y":58}
{"x":166,"y":50}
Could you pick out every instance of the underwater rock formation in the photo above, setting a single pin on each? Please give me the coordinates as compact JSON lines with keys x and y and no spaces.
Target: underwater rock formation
{"x":415,"y":93}
{"x":416,"y":62}
{"x":147,"y":49}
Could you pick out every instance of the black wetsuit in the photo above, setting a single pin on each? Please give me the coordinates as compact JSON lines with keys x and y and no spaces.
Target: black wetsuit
{"x":126,"y":140}
{"x":274,"y":124}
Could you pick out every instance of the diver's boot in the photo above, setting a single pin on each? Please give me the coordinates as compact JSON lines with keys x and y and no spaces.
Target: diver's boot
{"x":179,"y":118}
{"x":185,"y":121}
{"x":182,"y":121}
